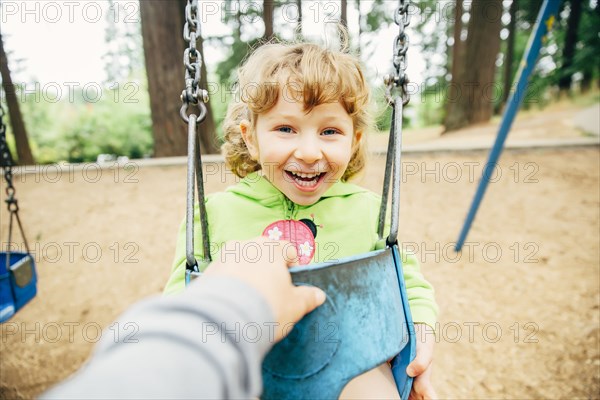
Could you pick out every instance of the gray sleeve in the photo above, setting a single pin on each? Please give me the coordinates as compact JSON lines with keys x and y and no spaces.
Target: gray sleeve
{"x":208,"y":342}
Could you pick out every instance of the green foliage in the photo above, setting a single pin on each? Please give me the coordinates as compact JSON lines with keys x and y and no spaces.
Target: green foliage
{"x":239,"y":50}
{"x":77,"y":125}
{"x":378,"y":16}
{"x":586,"y":57}
{"x":432,"y":107}
{"x":528,"y":11}
{"x":218,"y":103}
{"x":118,"y":123}
{"x":550,"y":65}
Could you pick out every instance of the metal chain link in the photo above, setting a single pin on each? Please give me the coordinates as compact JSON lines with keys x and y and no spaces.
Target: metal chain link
{"x":399,"y":79}
{"x":192,"y":94}
{"x":6,"y":163}
{"x":11,"y":201}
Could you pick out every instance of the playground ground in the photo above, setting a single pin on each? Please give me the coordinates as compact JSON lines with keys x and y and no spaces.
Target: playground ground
{"x":519,"y":306}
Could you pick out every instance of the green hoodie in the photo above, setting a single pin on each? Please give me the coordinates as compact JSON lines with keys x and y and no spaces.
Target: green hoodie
{"x":346,"y":216}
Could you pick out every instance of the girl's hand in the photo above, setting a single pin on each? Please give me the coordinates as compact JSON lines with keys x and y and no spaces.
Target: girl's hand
{"x":420,"y":367}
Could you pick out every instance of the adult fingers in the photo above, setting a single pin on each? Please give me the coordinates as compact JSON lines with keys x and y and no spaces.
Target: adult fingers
{"x":290,"y":254}
{"x":303,"y":300}
{"x":308,"y":298}
{"x":286,"y":249}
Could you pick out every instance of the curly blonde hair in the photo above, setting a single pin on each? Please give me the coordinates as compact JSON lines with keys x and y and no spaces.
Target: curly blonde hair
{"x":312,"y":73}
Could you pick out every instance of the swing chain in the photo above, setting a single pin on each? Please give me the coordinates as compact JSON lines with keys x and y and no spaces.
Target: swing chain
{"x":192,"y":59}
{"x":11,"y":202}
{"x":6,"y":163}
{"x":399,"y":79}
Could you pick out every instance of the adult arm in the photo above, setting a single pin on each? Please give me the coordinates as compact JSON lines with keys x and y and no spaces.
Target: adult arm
{"x":208,"y":342}
{"x":203,"y":343}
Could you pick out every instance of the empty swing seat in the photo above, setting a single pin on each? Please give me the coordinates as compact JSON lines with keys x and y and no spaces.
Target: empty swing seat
{"x":17,"y":282}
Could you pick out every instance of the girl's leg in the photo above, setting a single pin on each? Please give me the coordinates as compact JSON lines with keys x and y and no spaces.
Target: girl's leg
{"x":377,"y":383}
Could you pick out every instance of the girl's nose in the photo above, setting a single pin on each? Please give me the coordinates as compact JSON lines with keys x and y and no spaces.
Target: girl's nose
{"x":308,"y":150}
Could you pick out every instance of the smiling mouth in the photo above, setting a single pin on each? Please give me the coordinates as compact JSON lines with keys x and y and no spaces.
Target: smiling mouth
{"x":306,"y":180}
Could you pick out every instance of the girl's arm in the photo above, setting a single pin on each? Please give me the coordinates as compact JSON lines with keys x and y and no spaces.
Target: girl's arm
{"x":421,"y":295}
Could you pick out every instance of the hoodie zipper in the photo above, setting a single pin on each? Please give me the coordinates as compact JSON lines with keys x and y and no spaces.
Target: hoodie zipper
{"x":290,"y":208}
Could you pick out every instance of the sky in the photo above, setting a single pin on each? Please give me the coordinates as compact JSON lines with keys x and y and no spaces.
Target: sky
{"x":58,"y":42}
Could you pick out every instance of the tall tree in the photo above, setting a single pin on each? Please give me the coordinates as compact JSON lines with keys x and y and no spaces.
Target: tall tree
{"x":510,"y":51}
{"x":457,"y":62}
{"x":299,"y":26}
{"x":163,"y":49}
{"x":344,"y":16}
{"x":268,"y":9}
{"x":16,"y":119}
{"x":475,"y":81}
{"x":564,"y":82}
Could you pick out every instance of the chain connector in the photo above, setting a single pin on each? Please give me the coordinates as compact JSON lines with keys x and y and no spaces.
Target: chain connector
{"x":395,"y":82}
{"x":183,"y":112}
{"x":200,"y":95}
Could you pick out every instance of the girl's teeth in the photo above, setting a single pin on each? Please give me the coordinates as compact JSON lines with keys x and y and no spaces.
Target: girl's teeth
{"x":304,"y":175}
{"x":305,"y":183}
{"x":305,"y":179}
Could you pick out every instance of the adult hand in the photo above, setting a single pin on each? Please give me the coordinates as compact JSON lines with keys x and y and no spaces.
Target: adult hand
{"x":263,"y":264}
{"x":420,"y":367}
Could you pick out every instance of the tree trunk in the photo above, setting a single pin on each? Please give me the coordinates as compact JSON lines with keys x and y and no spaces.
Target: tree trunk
{"x":449,"y":49}
{"x":476,"y":91}
{"x":586,"y":81}
{"x":564,"y":82}
{"x":344,"y":16}
{"x":16,"y":118}
{"x":268,"y":8}
{"x":457,"y":63}
{"x":510,"y":51}
{"x":299,"y":26}
{"x":162,"y":25}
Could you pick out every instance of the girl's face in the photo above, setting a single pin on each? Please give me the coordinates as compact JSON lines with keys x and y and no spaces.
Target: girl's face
{"x":302,"y":154}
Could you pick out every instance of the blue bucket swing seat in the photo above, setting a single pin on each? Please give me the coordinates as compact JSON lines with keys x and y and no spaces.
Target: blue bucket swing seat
{"x":366,"y":319}
{"x":17,"y":269}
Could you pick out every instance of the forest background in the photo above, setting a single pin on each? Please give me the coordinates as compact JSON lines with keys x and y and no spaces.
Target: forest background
{"x":469,"y":52}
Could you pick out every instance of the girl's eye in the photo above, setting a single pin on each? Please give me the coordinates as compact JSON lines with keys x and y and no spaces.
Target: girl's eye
{"x":284,"y":129}
{"x":329,"y":132}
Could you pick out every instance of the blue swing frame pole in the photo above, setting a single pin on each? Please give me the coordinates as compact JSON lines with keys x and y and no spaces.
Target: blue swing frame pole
{"x":543,"y":24}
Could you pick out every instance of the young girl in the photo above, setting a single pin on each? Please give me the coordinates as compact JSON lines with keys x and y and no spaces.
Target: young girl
{"x":295,"y":135}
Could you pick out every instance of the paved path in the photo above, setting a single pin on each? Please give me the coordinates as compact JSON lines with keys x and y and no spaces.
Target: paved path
{"x":588,"y":120}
